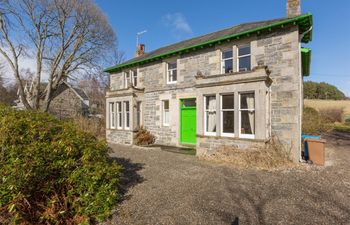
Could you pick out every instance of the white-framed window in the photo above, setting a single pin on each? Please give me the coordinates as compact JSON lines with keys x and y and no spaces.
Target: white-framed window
{"x":134,"y":77}
{"x":119,"y":115}
{"x":227,"y":61}
{"x":210,"y":115}
{"x":247,"y":115}
{"x":126,"y":79}
{"x":172,"y":72}
{"x":139,"y":114}
{"x":111,"y":115}
{"x":166,"y":107}
{"x":126,"y":115}
{"x":244,"y":58}
{"x":227,"y":115}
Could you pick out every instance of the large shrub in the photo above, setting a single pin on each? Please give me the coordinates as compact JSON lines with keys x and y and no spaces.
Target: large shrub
{"x":52,"y":172}
{"x":313,"y":123}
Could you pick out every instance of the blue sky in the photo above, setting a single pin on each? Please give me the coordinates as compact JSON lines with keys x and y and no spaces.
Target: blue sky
{"x":168,"y":22}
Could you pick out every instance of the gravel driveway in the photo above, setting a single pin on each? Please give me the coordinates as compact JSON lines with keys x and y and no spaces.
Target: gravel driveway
{"x":168,"y":188}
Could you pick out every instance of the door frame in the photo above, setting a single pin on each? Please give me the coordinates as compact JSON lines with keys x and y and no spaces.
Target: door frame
{"x":180,"y":119}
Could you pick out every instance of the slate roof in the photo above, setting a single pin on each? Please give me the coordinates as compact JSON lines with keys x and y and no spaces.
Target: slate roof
{"x":304,"y":21}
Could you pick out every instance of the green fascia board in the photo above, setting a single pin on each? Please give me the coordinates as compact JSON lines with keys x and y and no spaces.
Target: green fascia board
{"x":306,"y":61}
{"x":304,"y":22}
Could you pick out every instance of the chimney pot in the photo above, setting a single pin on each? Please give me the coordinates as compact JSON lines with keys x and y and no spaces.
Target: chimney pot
{"x":293,"y":8}
{"x":140,"y":50}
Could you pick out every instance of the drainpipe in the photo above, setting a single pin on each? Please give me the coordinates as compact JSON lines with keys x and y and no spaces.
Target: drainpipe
{"x":300,"y":85}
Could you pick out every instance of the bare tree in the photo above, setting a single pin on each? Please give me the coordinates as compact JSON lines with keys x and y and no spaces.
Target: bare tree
{"x":65,"y":37}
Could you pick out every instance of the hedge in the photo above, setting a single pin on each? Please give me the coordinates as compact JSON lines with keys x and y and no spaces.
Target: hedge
{"x":52,"y":172}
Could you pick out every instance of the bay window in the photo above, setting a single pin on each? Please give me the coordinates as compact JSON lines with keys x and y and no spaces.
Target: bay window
{"x":227,"y":115}
{"x":126,"y":115}
{"x":244,"y":58}
{"x":119,"y":115}
{"x":111,"y":115}
{"x":247,"y":115}
{"x":210,"y":114}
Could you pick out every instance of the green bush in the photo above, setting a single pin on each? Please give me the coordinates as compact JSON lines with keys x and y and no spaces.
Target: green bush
{"x":313,"y":123}
{"x":52,"y":172}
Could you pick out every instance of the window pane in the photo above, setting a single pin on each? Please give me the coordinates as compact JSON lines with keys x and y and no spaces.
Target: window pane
{"x":244,"y":51}
{"x":127,"y":106}
{"x":211,"y":121}
{"x":174,"y":75}
{"x":166,"y":104}
{"x":138,"y":114}
{"x":127,"y":119}
{"x":227,"y":54}
{"x":189,"y":103}
{"x":166,"y":117}
{"x":247,"y":122}
{"x":244,"y":63}
{"x":228,"y":121}
{"x":227,"y":102}
{"x":228,"y":66}
{"x":247,"y":101}
{"x":210,"y":103}
{"x":172,"y":65}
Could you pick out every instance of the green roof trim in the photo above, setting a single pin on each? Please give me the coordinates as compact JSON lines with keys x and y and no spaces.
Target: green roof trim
{"x":306,"y":61}
{"x":304,"y":22}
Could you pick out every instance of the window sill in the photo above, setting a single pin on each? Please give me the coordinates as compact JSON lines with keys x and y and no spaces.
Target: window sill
{"x":172,"y":82}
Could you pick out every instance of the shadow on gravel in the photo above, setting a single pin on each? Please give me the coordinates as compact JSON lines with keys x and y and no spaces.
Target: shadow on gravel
{"x":129,"y":176}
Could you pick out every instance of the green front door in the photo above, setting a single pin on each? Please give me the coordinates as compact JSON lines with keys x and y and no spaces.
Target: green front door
{"x":188,"y":121}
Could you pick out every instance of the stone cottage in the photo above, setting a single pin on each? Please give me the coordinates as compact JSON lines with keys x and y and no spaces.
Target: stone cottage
{"x":68,"y":101}
{"x":235,"y":87}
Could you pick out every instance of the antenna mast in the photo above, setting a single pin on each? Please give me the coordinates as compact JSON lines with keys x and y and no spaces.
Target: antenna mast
{"x":138,"y":34}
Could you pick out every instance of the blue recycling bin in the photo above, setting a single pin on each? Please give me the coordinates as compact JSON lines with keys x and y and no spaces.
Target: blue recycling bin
{"x":306,"y":149}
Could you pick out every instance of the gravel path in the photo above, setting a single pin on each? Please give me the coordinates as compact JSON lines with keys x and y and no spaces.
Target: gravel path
{"x":167,"y":188}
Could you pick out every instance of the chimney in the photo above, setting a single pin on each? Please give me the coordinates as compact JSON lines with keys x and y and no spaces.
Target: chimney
{"x":293,"y":8}
{"x":140,"y":50}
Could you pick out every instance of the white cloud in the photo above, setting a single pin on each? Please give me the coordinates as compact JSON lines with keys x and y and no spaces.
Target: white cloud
{"x":177,"y":22}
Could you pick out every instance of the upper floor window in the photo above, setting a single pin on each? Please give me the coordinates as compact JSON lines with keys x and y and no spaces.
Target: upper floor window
{"x":227,"y":61}
{"x":244,"y":58}
{"x":172,"y":72}
{"x":247,"y":115}
{"x":134,"y":78}
{"x":166,"y":113}
{"x":126,"y":79}
{"x":210,"y":115}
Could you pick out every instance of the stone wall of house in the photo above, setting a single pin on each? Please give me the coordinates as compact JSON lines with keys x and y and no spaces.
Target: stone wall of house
{"x":116,"y":81}
{"x":67,"y":105}
{"x":119,"y":136}
{"x":209,"y":145}
{"x":281,"y":52}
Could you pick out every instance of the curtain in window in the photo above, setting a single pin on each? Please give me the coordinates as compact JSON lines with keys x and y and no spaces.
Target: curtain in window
{"x":211,"y":120}
{"x":250,"y":104}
